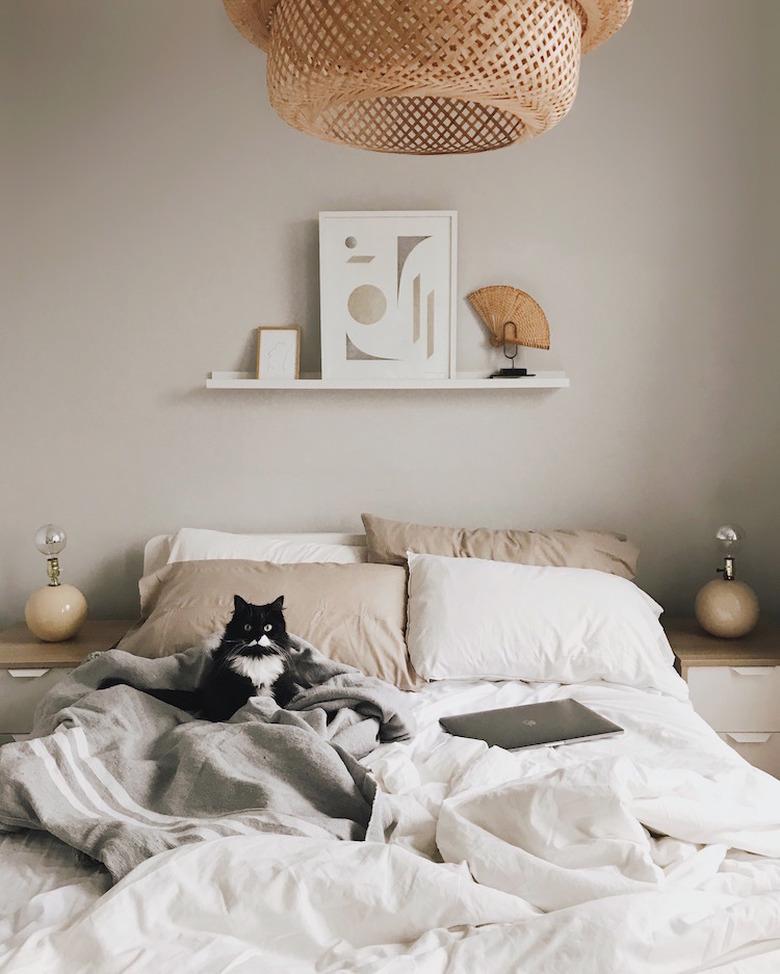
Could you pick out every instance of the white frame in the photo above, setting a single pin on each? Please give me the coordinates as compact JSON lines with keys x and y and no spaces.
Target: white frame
{"x":296,"y":331}
{"x":452,"y":215}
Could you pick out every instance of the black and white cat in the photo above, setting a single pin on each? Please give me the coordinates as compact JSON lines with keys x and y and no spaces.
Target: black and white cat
{"x":250,"y":658}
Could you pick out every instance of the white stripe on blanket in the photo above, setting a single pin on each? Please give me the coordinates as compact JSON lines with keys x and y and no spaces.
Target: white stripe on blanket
{"x":203,"y":828}
{"x":123,"y":799}
{"x":100,"y":809}
{"x":58,"y":780}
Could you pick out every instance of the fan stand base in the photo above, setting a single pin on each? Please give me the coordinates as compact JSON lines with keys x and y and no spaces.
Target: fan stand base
{"x":512,"y":374}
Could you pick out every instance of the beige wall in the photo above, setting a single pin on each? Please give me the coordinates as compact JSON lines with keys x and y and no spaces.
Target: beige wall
{"x":159,"y":211}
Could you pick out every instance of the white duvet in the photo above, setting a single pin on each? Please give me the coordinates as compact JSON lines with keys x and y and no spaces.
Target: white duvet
{"x":658,"y":851}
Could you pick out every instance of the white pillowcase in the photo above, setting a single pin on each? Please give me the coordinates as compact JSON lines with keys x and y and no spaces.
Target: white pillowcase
{"x":470,"y":618}
{"x":198,"y":544}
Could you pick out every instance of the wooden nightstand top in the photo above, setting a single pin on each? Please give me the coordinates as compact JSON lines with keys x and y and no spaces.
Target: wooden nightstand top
{"x":694,"y":647}
{"x":19,"y":648}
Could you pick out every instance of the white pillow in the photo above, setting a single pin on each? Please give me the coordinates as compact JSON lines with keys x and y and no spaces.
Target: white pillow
{"x":197,"y":544}
{"x":470,"y":618}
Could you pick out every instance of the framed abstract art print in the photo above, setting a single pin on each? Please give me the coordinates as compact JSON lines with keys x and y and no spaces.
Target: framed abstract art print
{"x":387,"y":294}
{"x":278,"y":352}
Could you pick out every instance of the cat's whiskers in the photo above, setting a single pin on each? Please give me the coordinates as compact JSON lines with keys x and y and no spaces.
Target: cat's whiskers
{"x":237,"y":646}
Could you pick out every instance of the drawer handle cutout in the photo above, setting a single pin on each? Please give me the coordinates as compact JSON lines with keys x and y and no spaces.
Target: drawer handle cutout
{"x":749,"y":738}
{"x":751,"y":670}
{"x":27,"y":674}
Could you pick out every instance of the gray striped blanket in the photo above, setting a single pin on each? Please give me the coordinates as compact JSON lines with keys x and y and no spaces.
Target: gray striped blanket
{"x":122,"y":776}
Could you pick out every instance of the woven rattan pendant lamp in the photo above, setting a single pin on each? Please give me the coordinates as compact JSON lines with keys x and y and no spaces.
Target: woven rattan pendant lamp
{"x":425,"y":76}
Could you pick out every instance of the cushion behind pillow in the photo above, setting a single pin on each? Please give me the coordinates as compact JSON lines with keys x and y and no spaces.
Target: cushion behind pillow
{"x":352,"y":613}
{"x":388,"y":542}
{"x":199,"y":544}
{"x":474,"y":619}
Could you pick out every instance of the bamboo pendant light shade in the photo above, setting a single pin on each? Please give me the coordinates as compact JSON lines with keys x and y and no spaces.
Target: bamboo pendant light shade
{"x":425,"y":76}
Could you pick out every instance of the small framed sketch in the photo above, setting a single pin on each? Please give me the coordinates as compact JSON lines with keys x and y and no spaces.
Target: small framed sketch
{"x":388,"y":294}
{"x":278,"y":352}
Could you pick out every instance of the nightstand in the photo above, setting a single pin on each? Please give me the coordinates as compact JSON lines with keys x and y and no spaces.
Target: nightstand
{"x":29,"y":667}
{"x":734,"y":686}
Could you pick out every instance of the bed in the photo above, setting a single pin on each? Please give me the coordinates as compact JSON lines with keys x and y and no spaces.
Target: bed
{"x":657,"y":851}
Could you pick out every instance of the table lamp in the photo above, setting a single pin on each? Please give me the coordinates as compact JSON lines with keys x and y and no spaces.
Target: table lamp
{"x":724,"y":606}
{"x":55,"y":612}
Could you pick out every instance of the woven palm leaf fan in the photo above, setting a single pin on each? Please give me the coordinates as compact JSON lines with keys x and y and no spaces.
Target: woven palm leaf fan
{"x":425,"y":76}
{"x":511,"y":316}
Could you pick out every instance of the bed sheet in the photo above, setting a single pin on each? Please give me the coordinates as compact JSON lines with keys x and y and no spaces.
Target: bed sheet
{"x":656,"y":852}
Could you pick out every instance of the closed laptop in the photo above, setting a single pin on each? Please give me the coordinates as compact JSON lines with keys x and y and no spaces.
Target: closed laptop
{"x":533,"y":725}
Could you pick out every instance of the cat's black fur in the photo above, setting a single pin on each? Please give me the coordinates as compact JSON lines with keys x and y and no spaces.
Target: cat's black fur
{"x":223,"y":691}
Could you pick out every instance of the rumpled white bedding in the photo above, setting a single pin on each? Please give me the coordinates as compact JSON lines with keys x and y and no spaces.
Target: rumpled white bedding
{"x":657,"y":852}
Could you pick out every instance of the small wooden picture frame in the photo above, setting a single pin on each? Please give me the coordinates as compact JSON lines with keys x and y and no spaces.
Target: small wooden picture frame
{"x":278,"y":352}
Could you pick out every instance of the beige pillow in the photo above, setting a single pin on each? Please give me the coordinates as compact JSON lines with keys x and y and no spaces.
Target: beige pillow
{"x":388,"y":541}
{"x":352,"y":613}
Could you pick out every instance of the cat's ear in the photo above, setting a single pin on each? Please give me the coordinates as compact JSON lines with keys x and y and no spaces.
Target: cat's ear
{"x":239,"y":605}
{"x":278,"y":604}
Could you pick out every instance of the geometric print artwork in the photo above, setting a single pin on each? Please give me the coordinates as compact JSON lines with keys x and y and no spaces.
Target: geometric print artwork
{"x":387,"y":281}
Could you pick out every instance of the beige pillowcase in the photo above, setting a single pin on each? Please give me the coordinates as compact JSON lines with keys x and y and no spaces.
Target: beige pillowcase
{"x":352,"y":613}
{"x":388,"y":541}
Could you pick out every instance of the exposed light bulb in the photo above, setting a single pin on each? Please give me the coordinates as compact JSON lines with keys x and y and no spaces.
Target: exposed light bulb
{"x":730,"y":537}
{"x":50,"y":539}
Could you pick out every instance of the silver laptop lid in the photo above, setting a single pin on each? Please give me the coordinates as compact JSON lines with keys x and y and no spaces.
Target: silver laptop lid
{"x":532,"y":725}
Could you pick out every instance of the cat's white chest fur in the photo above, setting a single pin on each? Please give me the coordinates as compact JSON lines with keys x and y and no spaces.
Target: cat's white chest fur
{"x":263,"y":671}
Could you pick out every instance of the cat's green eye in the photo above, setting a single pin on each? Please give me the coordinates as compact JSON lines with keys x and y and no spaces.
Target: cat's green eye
{"x":267,"y":627}
{"x":248,"y":627}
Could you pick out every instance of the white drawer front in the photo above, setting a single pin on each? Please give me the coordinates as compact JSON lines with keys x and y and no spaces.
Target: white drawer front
{"x":20,"y":692}
{"x":761,"y":750}
{"x":737,"y":698}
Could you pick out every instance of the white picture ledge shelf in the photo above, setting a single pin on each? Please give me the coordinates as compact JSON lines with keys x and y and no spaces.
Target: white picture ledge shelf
{"x":464,"y":380}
